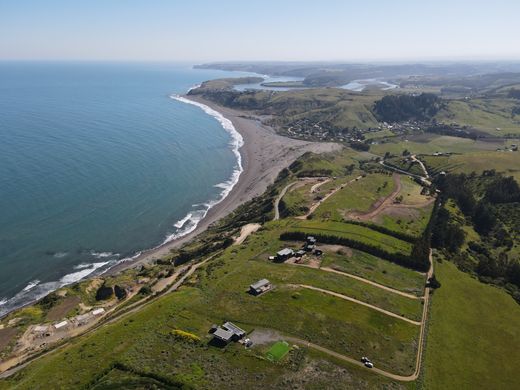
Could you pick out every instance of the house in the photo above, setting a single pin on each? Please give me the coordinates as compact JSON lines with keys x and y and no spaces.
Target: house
{"x":259,"y":287}
{"x":238,"y":333}
{"x":284,"y":254}
{"x":223,"y":335}
{"x":227,"y":332}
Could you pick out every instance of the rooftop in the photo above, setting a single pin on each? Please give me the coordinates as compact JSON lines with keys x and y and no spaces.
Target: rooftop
{"x":285,"y":252}
{"x":223,"y":334}
{"x":261,"y":283}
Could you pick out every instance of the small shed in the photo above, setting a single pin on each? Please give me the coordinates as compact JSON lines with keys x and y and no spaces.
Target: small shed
{"x":83,"y":319}
{"x":311,"y":240}
{"x":61,"y":325}
{"x":284,"y":254}
{"x":310,"y":247}
{"x":98,"y":312}
{"x":299,"y":253}
{"x":259,"y":287}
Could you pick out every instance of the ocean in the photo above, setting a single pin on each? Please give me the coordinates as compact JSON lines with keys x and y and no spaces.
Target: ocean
{"x":99,"y":161}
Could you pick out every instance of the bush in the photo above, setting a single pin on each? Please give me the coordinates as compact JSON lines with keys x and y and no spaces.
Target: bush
{"x":145,"y":290}
{"x":185,"y":336}
{"x":120,"y":292}
{"x":104,"y":293}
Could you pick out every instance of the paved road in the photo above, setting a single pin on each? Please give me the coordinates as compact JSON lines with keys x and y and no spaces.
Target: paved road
{"x":347,"y":298}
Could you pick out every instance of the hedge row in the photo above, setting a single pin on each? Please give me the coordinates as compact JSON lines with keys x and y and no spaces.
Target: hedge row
{"x":417,"y":264}
{"x":381,"y":229}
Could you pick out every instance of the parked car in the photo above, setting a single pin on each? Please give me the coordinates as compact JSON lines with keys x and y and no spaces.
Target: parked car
{"x":364,"y":359}
{"x":369,"y":364}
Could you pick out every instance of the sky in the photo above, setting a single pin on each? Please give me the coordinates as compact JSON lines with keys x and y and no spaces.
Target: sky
{"x":252,"y":30}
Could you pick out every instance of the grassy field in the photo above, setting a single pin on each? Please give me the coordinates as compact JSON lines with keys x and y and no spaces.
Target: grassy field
{"x":412,"y":214}
{"x":357,"y":196}
{"x":358,"y":233}
{"x":144,"y":346}
{"x":506,"y":162}
{"x":488,"y":115}
{"x":429,"y":144}
{"x":473,"y":337}
{"x":375,"y":269}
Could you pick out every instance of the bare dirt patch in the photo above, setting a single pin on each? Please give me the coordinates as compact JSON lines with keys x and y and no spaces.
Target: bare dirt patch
{"x":61,"y":309}
{"x":264,"y":336}
{"x":339,"y":249}
{"x":6,"y":335}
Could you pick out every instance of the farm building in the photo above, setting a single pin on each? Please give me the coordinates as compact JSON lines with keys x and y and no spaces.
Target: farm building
{"x":98,"y":312}
{"x":83,"y":319}
{"x":259,"y":287}
{"x":61,"y":325}
{"x":284,"y":254}
{"x":40,"y":330}
{"x":299,"y":253}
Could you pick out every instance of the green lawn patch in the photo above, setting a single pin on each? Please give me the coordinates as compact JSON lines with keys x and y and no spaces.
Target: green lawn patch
{"x":278,"y":351}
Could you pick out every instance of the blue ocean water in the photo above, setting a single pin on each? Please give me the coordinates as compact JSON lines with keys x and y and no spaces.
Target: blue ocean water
{"x":98,"y":162}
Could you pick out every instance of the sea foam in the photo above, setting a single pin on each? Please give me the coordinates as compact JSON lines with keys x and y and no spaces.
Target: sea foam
{"x":36,"y":290}
{"x":190,"y":222}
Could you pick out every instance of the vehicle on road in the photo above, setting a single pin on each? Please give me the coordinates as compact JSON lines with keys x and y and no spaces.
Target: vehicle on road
{"x":369,"y":364}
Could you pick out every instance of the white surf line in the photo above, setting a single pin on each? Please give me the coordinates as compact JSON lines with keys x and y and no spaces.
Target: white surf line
{"x":191,"y":221}
{"x":347,"y":298}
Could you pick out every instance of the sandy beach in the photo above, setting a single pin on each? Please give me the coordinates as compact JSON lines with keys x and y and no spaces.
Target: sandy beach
{"x":264,"y":155}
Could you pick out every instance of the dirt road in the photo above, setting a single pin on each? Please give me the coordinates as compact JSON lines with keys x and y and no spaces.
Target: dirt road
{"x":347,"y":298}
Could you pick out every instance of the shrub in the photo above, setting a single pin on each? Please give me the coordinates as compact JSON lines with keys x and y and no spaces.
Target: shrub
{"x":104,"y":292}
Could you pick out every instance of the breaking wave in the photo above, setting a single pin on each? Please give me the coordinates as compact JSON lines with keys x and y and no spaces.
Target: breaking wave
{"x":190,"y":222}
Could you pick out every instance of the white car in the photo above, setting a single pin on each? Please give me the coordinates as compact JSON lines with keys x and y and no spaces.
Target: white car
{"x":364,"y":359}
{"x":369,"y":364}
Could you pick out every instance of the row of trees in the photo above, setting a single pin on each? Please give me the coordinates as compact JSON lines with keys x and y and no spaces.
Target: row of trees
{"x":418,"y":260}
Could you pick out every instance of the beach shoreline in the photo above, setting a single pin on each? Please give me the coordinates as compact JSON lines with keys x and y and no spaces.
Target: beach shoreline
{"x":263,"y":155}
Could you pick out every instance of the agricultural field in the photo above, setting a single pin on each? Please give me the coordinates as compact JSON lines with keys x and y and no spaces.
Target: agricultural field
{"x":375,"y":269}
{"x":501,"y":161}
{"x":359,"y":233}
{"x":430,"y":143}
{"x":493,"y":116}
{"x":358,"y":196}
{"x":465,"y":347}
